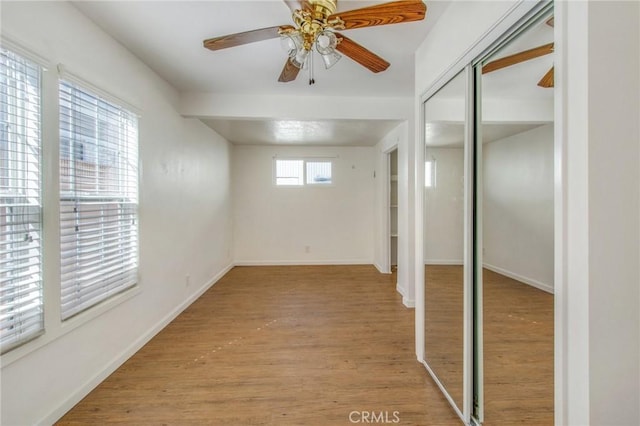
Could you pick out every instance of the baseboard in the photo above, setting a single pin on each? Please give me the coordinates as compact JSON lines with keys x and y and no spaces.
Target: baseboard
{"x":533,"y":283}
{"x":443,"y":262}
{"x":381,"y":269}
{"x":301,"y":262}
{"x":409,"y":303}
{"x":91,"y":384}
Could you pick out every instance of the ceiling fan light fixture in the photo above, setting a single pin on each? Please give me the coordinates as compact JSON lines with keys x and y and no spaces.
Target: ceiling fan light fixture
{"x":291,"y":43}
{"x":300,"y":58}
{"x":326,"y":42}
{"x":330,"y":59}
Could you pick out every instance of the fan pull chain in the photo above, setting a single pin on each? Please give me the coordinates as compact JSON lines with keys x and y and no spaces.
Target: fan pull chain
{"x":312,"y":80}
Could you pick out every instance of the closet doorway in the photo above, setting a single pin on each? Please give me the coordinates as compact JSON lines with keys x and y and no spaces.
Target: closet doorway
{"x":392,"y":160}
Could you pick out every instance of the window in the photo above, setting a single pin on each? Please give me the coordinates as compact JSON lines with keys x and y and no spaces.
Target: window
{"x":21,"y":299}
{"x":318,"y":172}
{"x":98,"y":199}
{"x":298,"y":172}
{"x":430,"y":173}
{"x":289,"y":172}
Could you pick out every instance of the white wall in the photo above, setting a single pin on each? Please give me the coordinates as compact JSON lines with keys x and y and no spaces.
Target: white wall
{"x":518,"y":206}
{"x":217,"y":105}
{"x":444,"y":208}
{"x":599,"y":326}
{"x":407,"y":217}
{"x":294,"y":107}
{"x":274,"y":224}
{"x":381,"y":204}
{"x":185,"y":220}
{"x":613,"y":211}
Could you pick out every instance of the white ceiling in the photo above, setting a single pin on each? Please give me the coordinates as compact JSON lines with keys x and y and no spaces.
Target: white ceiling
{"x":309,"y":132}
{"x":168,"y":35}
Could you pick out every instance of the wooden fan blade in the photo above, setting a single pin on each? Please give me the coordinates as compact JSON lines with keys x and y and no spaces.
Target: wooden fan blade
{"x":395,"y":12}
{"x":246,"y":37}
{"x":298,"y":5}
{"x":547,"y":80}
{"x":526,"y":55}
{"x":289,"y":72}
{"x":361,"y":55}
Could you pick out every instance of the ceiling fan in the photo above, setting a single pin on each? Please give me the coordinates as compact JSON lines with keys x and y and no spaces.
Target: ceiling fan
{"x":546,"y":81}
{"x":316,"y":24}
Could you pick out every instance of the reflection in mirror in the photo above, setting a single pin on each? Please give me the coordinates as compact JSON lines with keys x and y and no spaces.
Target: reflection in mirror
{"x":516,"y":159}
{"x":444,"y":235}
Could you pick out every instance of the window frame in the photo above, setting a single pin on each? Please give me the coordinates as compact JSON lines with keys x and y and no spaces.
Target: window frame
{"x":318,"y":161}
{"x":300,"y":178}
{"x":54,"y":327}
{"x":125,"y":198}
{"x":304,"y":177}
{"x":25,"y":163}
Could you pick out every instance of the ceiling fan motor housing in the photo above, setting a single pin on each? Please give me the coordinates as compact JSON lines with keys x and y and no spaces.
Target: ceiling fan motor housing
{"x":313,"y":20}
{"x":322,"y":9}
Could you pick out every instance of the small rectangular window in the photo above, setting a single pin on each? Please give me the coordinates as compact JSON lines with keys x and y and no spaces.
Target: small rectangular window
{"x":430,"y":173}
{"x":318,"y":172}
{"x":300,"y":172}
{"x":21,"y":312}
{"x":290,"y":172}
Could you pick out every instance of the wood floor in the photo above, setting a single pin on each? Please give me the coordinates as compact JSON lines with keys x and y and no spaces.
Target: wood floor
{"x":277,"y":346}
{"x":518,"y":353}
{"x":443,"y":326}
{"x":518,"y":344}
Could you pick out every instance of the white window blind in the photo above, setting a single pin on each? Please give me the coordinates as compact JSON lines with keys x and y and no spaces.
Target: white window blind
{"x":319,"y":172}
{"x":21,"y":301}
{"x":289,"y":172}
{"x":298,"y":172}
{"x":98,"y":198}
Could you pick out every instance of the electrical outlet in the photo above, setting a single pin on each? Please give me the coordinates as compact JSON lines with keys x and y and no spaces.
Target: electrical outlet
{"x":307,"y":249}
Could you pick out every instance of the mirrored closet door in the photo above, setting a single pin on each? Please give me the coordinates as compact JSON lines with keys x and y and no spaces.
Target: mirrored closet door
{"x":446,"y":288}
{"x":488,"y":230}
{"x":514,"y":252}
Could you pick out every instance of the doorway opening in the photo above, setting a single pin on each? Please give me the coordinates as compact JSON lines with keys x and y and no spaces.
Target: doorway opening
{"x":393,"y":210}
